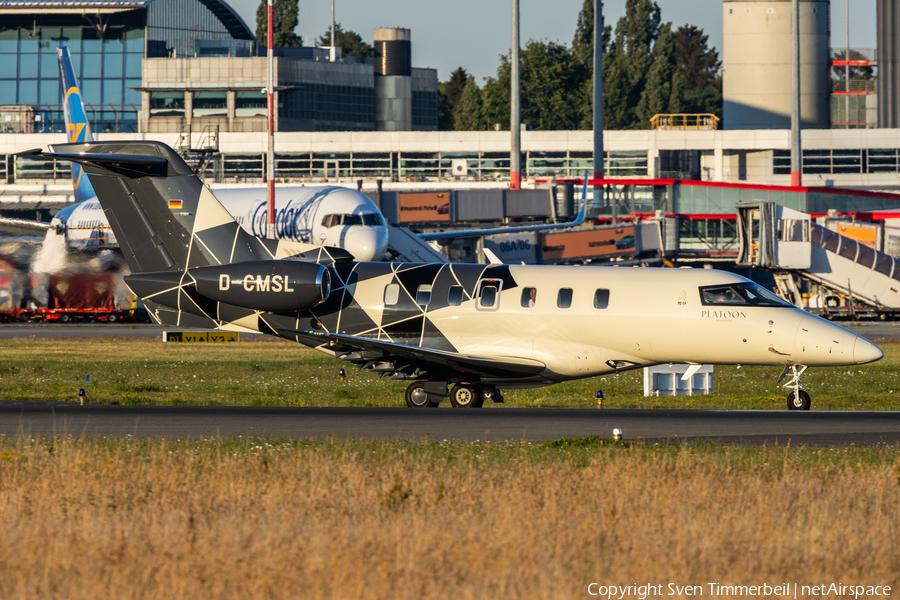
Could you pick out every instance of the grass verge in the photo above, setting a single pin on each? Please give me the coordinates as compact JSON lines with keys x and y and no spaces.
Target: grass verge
{"x":256,"y":518}
{"x":141,"y":371}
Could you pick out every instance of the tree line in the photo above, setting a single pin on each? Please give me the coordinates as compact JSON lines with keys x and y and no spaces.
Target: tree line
{"x":647,"y":69}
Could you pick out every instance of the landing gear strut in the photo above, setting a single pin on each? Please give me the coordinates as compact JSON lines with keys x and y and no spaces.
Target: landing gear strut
{"x":798,"y":399}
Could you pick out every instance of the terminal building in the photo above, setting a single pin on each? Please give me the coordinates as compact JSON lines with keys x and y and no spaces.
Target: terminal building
{"x":156,"y":66}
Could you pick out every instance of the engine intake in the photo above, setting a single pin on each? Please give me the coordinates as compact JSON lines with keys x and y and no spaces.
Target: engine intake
{"x":268,"y":285}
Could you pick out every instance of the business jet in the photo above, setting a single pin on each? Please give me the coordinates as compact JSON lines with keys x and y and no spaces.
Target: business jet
{"x":478,"y":328}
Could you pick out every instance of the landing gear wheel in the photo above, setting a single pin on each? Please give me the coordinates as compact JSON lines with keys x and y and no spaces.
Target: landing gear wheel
{"x":799,"y":401}
{"x":64,"y":318}
{"x":417,"y":397}
{"x":466,"y":396}
{"x":111,"y":319}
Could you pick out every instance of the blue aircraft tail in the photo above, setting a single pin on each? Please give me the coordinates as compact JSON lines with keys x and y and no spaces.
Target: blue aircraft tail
{"x":77,"y":128}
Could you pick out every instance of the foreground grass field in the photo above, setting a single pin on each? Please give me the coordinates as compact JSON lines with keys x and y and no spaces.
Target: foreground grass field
{"x":142,"y":371}
{"x":345,"y":519}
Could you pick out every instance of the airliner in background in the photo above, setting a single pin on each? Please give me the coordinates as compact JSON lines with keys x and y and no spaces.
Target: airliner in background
{"x":332,"y":216}
{"x":323,"y":215}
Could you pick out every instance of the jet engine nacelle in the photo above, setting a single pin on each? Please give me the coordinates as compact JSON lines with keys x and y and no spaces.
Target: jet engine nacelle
{"x":268,"y":285}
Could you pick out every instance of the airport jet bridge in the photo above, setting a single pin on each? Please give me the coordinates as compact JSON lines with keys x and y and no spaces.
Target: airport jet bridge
{"x":815,"y":266}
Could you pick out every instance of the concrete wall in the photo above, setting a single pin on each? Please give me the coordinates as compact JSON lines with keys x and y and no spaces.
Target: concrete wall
{"x":756,"y":59}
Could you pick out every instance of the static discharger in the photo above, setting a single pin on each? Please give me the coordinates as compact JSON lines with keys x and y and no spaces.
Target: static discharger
{"x":599,"y":398}
{"x":617,"y":435}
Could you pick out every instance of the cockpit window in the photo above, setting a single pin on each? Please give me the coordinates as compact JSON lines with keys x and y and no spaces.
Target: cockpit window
{"x":741,"y":294}
{"x":368,"y":219}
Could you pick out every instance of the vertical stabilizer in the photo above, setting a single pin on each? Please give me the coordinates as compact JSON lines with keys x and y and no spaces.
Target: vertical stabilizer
{"x":77,"y":127}
{"x":163,"y":216}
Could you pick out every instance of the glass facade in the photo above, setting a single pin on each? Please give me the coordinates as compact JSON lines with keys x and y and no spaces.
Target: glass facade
{"x":838,"y":161}
{"x":420,"y":166}
{"x":107,"y":67}
{"x":107,"y":49}
{"x":330,"y":107}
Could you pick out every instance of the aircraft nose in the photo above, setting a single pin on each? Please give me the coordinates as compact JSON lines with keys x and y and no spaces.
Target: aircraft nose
{"x":366,"y":243}
{"x":865,"y":351}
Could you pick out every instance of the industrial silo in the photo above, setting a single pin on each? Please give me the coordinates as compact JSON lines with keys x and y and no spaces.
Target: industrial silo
{"x":393,"y":80}
{"x":756,"y":59}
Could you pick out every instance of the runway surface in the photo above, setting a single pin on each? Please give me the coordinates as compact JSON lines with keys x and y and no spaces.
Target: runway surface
{"x":822,"y":428}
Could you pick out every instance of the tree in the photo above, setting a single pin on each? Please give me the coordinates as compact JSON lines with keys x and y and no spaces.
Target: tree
{"x":284,"y":21}
{"x":583,"y":50}
{"x":663,"y":92}
{"x":350,"y":42}
{"x":468,"y":114}
{"x":449,"y":93}
{"x":551,"y":80}
{"x":583,"y":42}
{"x":700,"y":70}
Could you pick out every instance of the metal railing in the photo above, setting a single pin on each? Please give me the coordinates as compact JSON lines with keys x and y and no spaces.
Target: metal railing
{"x":685,"y":121}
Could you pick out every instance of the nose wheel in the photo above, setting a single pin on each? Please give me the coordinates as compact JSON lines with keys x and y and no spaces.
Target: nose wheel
{"x":798,"y":399}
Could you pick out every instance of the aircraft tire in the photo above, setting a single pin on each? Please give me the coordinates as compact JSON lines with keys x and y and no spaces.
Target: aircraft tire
{"x":416,"y":397}
{"x":802,"y":404}
{"x":466,"y":396}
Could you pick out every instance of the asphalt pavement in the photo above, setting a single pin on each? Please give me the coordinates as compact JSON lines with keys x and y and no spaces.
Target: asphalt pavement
{"x":819,"y":428}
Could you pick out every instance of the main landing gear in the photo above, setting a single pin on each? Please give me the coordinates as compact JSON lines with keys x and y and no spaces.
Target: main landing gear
{"x":423,"y":394}
{"x":798,"y":399}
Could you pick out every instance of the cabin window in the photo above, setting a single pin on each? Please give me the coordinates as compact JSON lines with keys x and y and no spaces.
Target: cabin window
{"x":488,"y":296}
{"x":529,"y":297}
{"x":564,"y":298}
{"x":391,"y":294}
{"x":455,"y":296}
{"x":601,"y":299}
{"x":423,"y":295}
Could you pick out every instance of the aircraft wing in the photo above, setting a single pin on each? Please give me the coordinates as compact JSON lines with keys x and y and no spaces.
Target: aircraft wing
{"x":404,"y":361}
{"x":18,"y":227}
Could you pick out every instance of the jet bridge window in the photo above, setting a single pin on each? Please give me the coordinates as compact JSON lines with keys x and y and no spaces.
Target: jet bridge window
{"x":564,"y":298}
{"x":742,"y":294}
{"x":601,"y":299}
{"x":793,"y":230}
{"x":529,"y":297}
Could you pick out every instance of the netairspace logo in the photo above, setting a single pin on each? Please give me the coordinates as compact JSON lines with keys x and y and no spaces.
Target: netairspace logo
{"x":719,"y":590}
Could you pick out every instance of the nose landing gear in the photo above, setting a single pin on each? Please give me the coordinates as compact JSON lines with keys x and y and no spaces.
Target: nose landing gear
{"x":798,"y":399}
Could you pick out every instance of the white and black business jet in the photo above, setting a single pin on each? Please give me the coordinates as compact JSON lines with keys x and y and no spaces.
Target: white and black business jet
{"x":477,"y":328}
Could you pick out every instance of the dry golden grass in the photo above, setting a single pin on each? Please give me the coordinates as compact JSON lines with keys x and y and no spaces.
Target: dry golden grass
{"x":258,"y":519}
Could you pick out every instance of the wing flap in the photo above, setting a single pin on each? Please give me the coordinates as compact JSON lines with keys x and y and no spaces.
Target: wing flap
{"x":361,"y":351}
